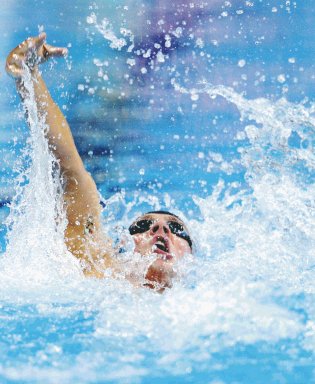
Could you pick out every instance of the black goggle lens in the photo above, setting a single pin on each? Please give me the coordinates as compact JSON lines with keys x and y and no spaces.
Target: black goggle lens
{"x":178,"y":230}
{"x":142,"y":226}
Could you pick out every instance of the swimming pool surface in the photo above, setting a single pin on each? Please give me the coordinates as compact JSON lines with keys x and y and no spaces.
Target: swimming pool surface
{"x":202,"y":108}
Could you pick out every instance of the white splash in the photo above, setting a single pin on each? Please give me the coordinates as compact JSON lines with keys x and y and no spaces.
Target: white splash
{"x":254,"y":255}
{"x":36,"y":252}
{"x":106,"y":30}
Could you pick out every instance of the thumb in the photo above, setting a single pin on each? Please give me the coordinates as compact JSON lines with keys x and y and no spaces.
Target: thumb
{"x":50,"y":51}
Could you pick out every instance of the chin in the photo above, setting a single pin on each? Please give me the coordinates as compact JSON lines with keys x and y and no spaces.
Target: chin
{"x":160,"y":274}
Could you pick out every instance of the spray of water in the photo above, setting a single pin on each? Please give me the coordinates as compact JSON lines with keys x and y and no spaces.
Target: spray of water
{"x":267,"y":226}
{"x":36,"y":251}
{"x":254,"y":253}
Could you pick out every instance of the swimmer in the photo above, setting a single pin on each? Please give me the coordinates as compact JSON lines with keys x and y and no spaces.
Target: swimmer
{"x":160,"y":233}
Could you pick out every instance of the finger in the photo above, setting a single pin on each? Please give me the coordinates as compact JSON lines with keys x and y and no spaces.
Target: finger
{"x":14,"y":70}
{"x":39,"y":40}
{"x":15,"y":59}
{"x":49,"y":51}
{"x":32,"y":42}
{"x":23,"y":47}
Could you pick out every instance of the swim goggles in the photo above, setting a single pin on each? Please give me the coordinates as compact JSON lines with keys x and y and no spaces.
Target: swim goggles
{"x":176,"y":228}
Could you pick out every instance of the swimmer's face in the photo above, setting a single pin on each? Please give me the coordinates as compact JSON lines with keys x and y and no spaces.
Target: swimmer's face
{"x":161,"y":234}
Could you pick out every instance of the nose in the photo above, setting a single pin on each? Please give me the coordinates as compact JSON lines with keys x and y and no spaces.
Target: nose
{"x":160,"y":228}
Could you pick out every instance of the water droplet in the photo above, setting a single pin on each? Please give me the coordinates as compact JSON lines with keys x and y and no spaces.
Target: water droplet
{"x":281,"y":78}
{"x":241,"y":63}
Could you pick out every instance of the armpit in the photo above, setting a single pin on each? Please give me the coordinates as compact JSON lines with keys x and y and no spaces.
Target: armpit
{"x":89,"y":227}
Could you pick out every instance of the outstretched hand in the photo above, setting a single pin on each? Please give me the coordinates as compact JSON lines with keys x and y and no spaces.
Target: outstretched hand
{"x":30,"y":53}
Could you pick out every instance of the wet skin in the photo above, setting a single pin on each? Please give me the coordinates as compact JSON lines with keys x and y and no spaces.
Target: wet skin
{"x":83,"y":235}
{"x":167,"y":246}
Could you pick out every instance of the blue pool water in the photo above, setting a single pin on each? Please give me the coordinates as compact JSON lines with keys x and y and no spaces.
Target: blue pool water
{"x":203,"y":108}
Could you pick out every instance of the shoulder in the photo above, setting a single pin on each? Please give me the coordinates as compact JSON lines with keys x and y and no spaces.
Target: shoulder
{"x":92,"y":247}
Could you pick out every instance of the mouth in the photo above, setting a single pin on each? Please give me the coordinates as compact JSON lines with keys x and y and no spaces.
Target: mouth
{"x":161,"y":246}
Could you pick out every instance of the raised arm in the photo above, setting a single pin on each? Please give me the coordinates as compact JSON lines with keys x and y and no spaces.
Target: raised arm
{"x":83,"y":236}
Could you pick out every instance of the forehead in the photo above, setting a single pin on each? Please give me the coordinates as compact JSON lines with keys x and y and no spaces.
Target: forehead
{"x":161,"y":216}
